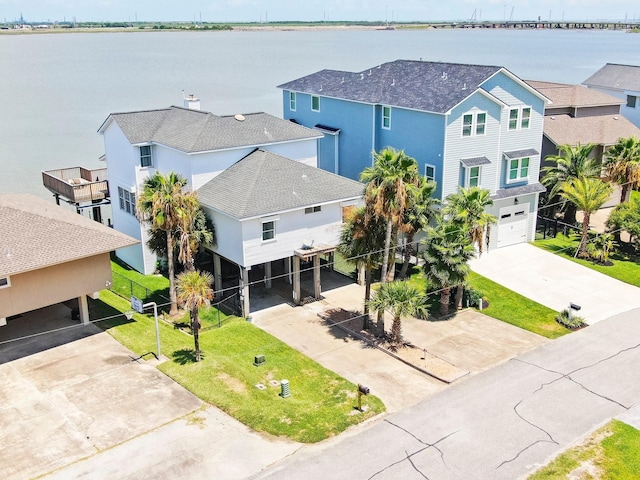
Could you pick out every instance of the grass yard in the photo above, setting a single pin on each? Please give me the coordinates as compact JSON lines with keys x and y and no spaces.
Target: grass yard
{"x":610,"y":453}
{"x":322,"y":404}
{"x":624,"y":268}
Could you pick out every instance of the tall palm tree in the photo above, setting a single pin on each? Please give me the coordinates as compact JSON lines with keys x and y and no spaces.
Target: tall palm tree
{"x":194,"y":229}
{"x":195,"y":292}
{"x":361,"y":243}
{"x":403,"y":300}
{"x":447,"y":250}
{"x":622,"y":164}
{"x":588,"y":195}
{"x":467,"y":207}
{"x":572,"y":162}
{"x":420,"y":210}
{"x":388,"y":185}
{"x":160,"y":204}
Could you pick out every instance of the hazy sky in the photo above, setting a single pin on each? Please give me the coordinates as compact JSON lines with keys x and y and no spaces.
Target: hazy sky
{"x":373,"y":10}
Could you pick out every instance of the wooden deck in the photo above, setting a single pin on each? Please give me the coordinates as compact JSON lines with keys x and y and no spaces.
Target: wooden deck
{"x":77,"y":184}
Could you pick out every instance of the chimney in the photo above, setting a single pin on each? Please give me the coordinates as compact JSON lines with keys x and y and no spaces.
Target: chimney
{"x":192,"y":102}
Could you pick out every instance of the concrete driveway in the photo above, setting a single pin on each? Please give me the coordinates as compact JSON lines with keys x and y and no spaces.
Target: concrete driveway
{"x":555,"y":281}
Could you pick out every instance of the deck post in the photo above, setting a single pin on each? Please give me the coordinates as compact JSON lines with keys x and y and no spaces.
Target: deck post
{"x":296,"y":280}
{"x":267,"y":274}
{"x":245,"y":292}
{"x":217,"y":276}
{"x":83,"y":307}
{"x":316,"y":277}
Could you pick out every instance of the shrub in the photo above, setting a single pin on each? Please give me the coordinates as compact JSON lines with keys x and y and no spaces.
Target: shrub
{"x":572,"y":322}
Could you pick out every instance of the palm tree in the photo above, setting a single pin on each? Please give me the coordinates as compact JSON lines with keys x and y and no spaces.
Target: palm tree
{"x":446,"y":253}
{"x":388,"y":186}
{"x":573,"y":162}
{"x":622,"y":164}
{"x":195,"y":292}
{"x":194,"y":229}
{"x":419,"y":212}
{"x":160,"y":204}
{"x":467,"y":207}
{"x":588,"y":195}
{"x":403,"y":300}
{"x":626,"y":216}
{"x":361,"y":242}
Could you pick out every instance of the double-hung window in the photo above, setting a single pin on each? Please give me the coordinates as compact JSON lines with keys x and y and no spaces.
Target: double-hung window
{"x":518,"y":170}
{"x":526,"y":117}
{"x":513,"y":119}
{"x":472,"y":177}
{"x":467,"y":125}
{"x":146,"y":159}
{"x":474,"y":124}
{"x":292,"y":101}
{"x":519,"y":118}
{"x":127,"y":201}
{"x":315,"y":103}
{"x":430,"y":172}
{"x":268,"y":230}
{"x":386,"y":118}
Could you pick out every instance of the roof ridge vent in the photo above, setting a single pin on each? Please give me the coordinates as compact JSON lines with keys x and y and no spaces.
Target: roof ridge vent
{"x":239,"y":117}
{"x":362,"y":76}
{"x":444,"y":75}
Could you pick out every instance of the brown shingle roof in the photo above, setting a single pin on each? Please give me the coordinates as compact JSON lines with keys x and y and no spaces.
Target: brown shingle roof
{"x":602,"y":130}
{"x":565,"y":95}
{"x":38,"y":234}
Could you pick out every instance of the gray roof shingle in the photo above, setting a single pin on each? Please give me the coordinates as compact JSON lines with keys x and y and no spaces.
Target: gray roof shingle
{"x":264,"y":183}
{"x":429,"y":86}
{"x":193,"y":131}
{"x":38,"y":234}
{"x":515,"y":191}
{"x":617,"y":77}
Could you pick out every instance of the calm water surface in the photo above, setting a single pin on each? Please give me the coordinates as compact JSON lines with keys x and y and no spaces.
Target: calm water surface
{"x":56,"y":90}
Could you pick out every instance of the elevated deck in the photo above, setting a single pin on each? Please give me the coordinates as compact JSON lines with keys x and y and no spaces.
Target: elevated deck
{"x":77,"y":184}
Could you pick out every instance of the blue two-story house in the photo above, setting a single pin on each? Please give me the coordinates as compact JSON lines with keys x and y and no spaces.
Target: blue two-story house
{"x":466,"y":125}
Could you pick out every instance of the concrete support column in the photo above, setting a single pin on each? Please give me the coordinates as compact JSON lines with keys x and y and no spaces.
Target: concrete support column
{"x":287,"y":270}
{"x":296,"y":280}
{"x":317,"y":291}
{"x":332,"y":261}
{"x":217,"y":276}
{"x":244,"y":286}
{"x":267,"y":274}
{"x":361,"y":273}
{"x":83,"y":306}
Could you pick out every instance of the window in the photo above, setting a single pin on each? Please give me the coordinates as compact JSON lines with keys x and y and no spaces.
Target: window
{"x":518,"y":170}
{"x":386,"y":117}
{"x":513,"y":119}
{"x":526,"y":115}
{"x":430,"y":173}
{"x":473,"y":177}
{"x":292,"y":101}
{"x":315,"y":103}
{"x":145,"y":156}
{"x":632,"y":101}
{"x":474,"y":124}
{"x":268,"y":231}
{"x":127,"y":201}
{"x":315,"y":209}
{"x":5,"y":282}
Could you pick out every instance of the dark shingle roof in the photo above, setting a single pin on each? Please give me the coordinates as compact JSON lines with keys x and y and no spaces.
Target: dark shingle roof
{"x":38,"y":234}
{"x":430,"y":86}
{"x":195,"y":131}
{"x":264,"y":183}
{"x":515,"y":191}
{"x":617,"y":77}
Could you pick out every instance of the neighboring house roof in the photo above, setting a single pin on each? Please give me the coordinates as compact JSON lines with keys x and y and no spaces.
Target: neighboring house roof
{"x":566,"y":95}
{"x":38,"y":234}
{"x":601,"y":129}
{"x":616,"y":77}
{"x":264,"y":183}
{"x":429,"y":86}
{"x":192,"y":131}
{"x":521,"y":190}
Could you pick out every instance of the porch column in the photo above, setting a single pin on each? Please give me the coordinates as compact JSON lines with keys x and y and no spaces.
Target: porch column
{"x":217,"y":276}
{"x":244,"y":291}
{"x":287,"y":270}
{"x":316,"y":277}
{"x":267,"y":274}
{"x":83,"y":306}
{"x":296,"y":280}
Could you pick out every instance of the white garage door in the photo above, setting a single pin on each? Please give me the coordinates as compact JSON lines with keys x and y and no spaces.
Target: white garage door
{"x":512,"y":225}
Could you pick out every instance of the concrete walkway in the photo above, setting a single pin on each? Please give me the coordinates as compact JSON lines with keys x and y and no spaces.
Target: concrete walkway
{"x":555,"y":281}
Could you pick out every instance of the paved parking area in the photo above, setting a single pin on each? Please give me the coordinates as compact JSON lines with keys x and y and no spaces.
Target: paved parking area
{"x":71,"y":401}
{"x":555,"y":281}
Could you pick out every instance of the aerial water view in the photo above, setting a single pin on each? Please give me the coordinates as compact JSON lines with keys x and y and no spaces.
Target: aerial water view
{"x":341,"y":239}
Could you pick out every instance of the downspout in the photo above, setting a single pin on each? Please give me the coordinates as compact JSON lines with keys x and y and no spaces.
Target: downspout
{"x":337,"y":152}
{"x":373,"y":133}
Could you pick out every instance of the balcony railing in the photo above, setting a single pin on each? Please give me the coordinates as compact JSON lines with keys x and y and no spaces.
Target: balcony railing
{"x":77,"y":184}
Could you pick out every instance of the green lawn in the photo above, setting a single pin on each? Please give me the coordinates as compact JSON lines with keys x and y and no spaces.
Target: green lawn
{"x":614,"y":450}
{"x":624,"y":268}
{"x":506,"y":305}
{"x":321,"y":403}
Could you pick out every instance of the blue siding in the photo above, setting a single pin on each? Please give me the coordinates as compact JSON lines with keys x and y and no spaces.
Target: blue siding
{"x":327,"y":153}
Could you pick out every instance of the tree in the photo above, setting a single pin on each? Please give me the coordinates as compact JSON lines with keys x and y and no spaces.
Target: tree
{"x":588,"y":195}
{"x":195,"y":292}
{"x":402,"y":300}
{"x":626,"y":216}
{"x":194,"y":229}
{"x":622,"y":164}
{"x":388,"y":186}
{"x":419,"y":212}
{"x":160,"y":204}
{"x":467,"y":207}
{"x":447,"y":250}
{"x":573,"y":162}
{"x":361,"y":243}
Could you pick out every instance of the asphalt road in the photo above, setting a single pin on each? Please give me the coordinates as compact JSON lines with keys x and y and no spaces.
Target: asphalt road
{"x":500,"y":424}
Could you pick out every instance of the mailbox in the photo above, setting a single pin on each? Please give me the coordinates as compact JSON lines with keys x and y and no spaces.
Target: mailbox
{"x":363,"y":390}
{"x":575,"y":307}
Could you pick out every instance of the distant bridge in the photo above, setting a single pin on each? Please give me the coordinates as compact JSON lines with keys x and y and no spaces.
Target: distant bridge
{"x":533,"y":24}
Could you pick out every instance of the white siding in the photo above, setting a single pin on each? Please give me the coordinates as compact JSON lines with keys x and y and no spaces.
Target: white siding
{"x":228,"y":236}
